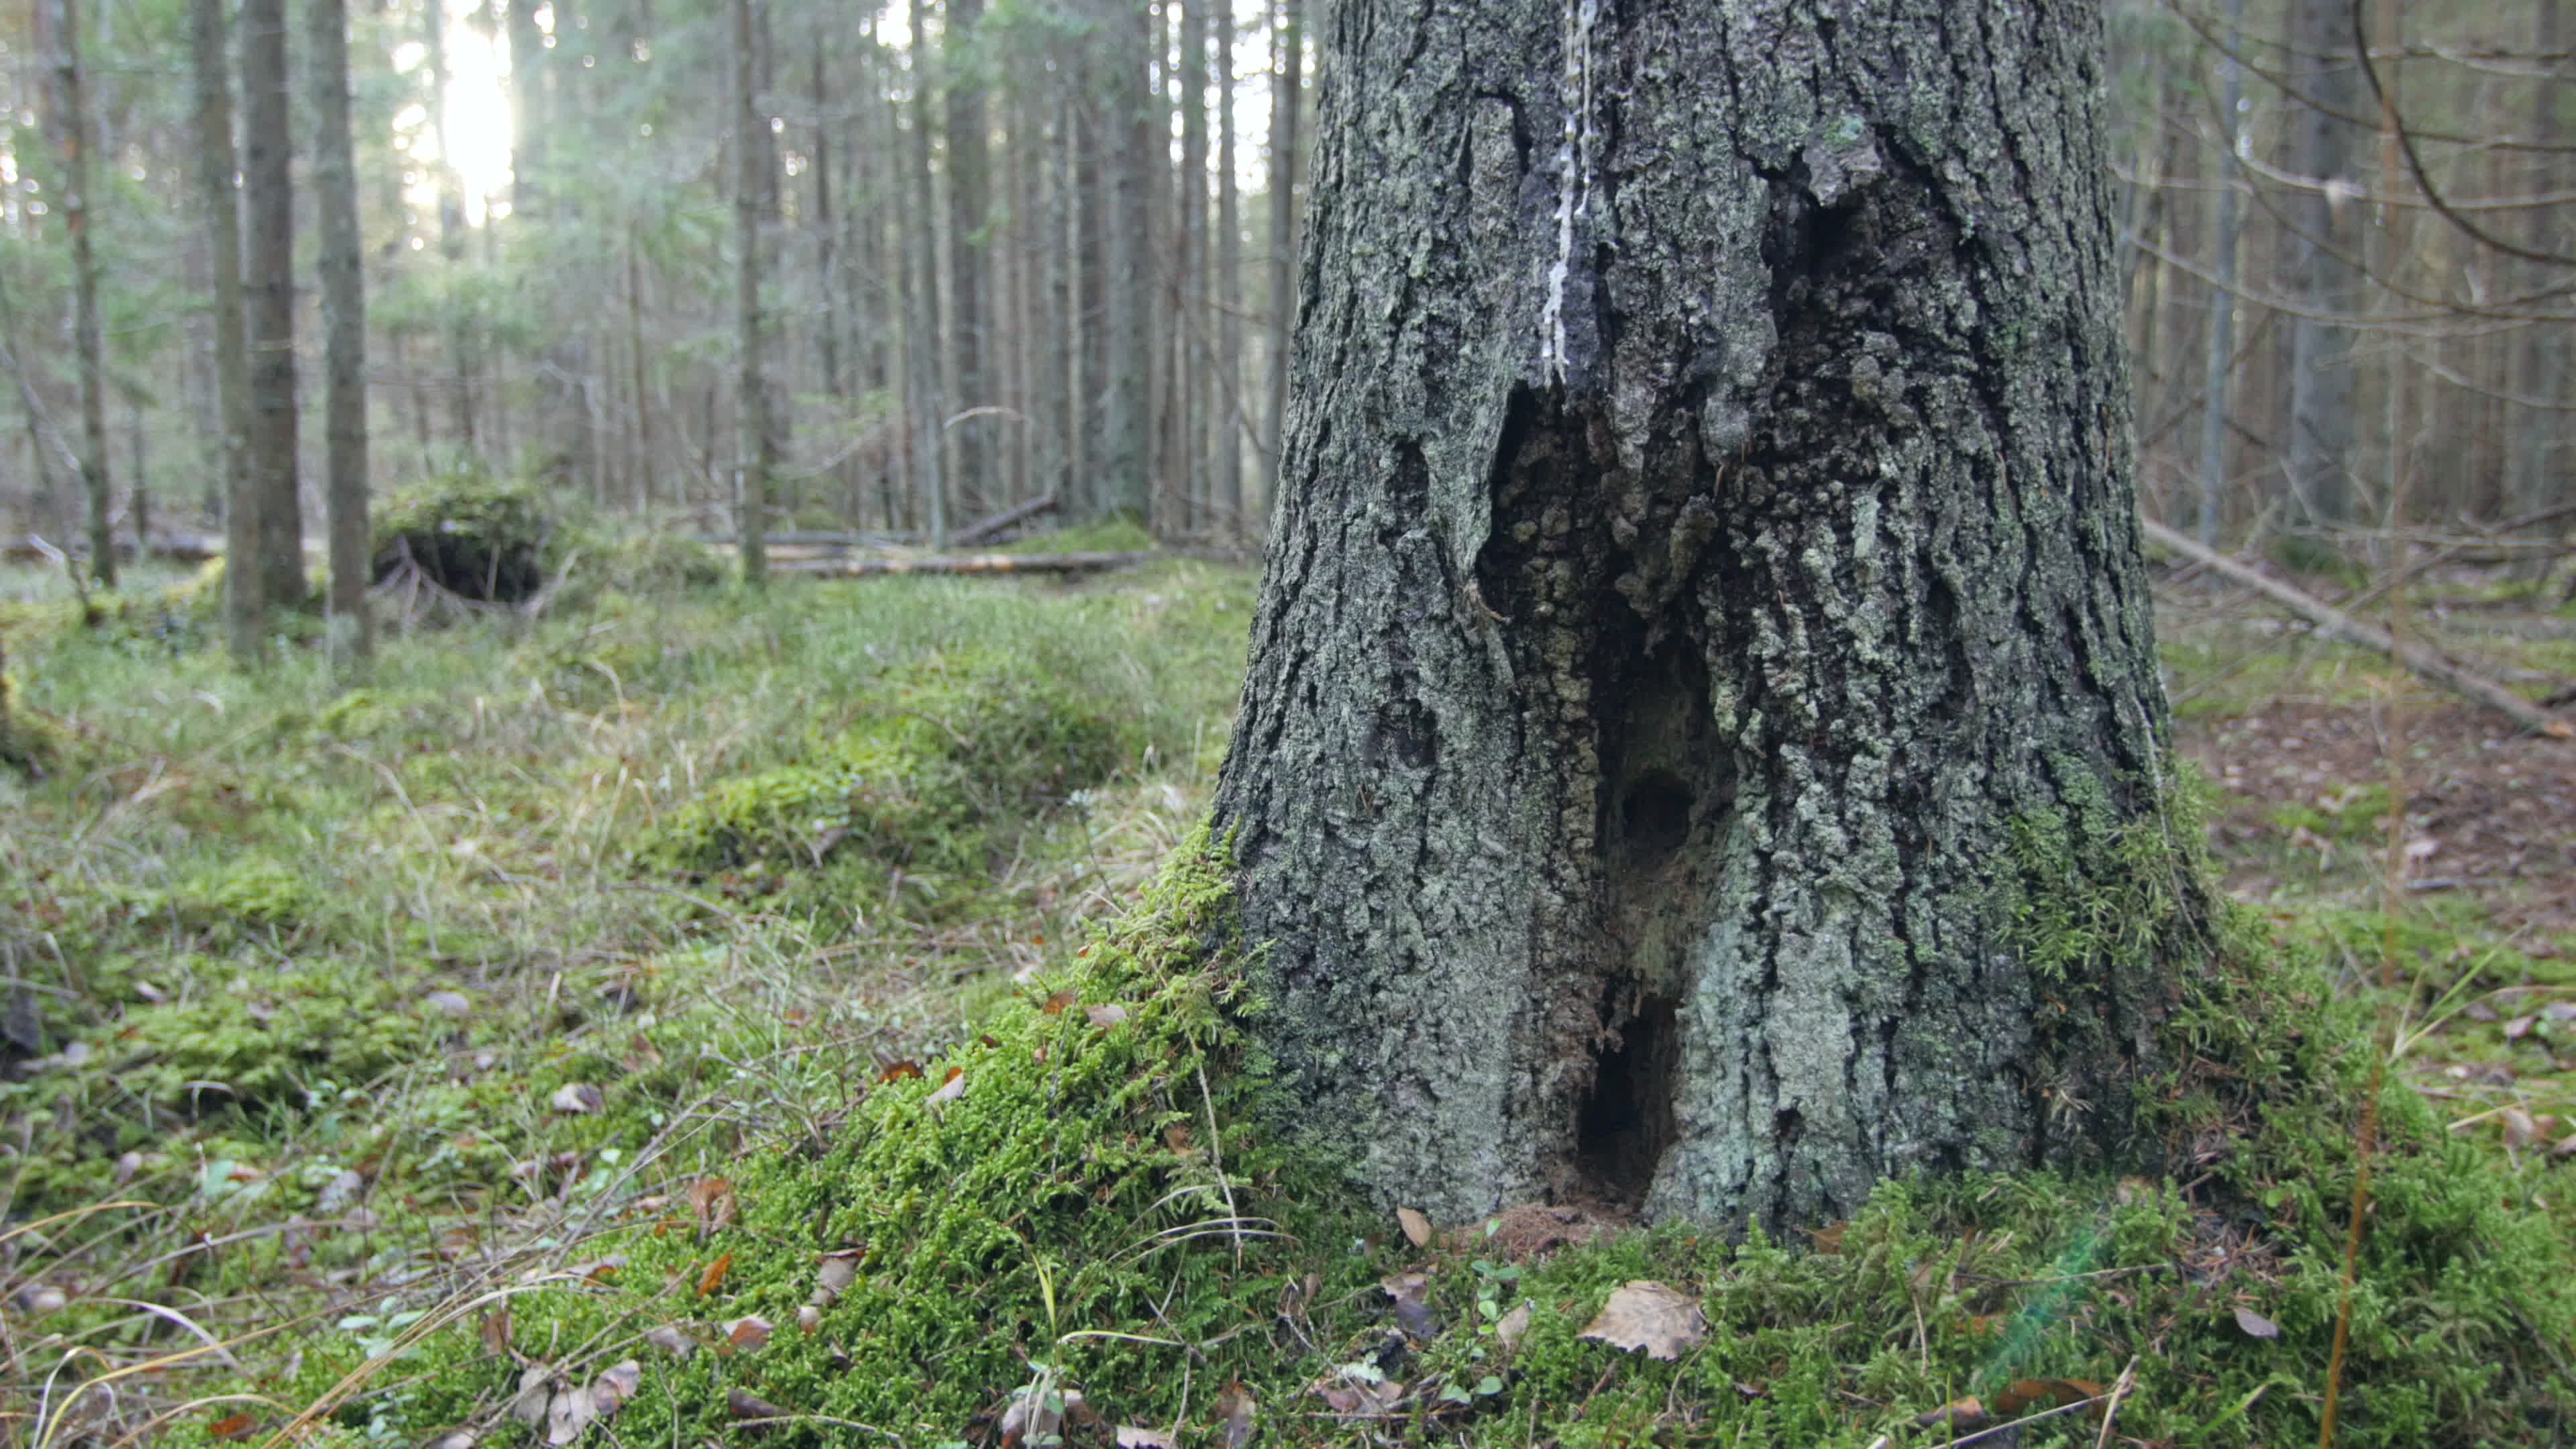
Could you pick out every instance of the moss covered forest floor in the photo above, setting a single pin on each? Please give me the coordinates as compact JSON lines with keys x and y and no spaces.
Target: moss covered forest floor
{"x":689,"y":1019}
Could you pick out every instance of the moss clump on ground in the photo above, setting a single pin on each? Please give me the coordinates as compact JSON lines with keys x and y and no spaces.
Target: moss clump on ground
{"x":488,"y":539}
{"x":1070,"y":1194}
{"x":946,"y":754}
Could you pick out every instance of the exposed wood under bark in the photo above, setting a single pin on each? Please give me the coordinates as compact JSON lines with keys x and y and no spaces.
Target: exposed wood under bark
{"x":2343,"y":626}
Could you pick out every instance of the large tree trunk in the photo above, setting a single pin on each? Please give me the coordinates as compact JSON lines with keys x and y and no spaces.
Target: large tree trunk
{"x":268,"y":191}
{"x":344,"y":324}
{"x":1704,"y":610}
{"x":245,"y":606}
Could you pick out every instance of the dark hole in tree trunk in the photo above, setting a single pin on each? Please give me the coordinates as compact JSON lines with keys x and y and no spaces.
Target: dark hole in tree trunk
{"x":1654,"y":816}
{"x":1624,"y":1126}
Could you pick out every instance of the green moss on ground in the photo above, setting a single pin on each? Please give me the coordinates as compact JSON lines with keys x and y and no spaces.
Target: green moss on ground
{"x":1064,"y":1222}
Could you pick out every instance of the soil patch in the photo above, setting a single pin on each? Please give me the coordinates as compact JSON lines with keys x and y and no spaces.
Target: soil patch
{"x":2489,"y":814}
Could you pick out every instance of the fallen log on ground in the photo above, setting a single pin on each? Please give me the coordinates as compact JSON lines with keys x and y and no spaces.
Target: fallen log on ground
{"x":2336,"y":622}
{"x":177,"y":548}
{"x":1017,"y":512}
{"x":962,"y":563}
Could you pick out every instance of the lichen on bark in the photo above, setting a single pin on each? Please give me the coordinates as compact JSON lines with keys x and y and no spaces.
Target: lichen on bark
{"x":1686,"y":574}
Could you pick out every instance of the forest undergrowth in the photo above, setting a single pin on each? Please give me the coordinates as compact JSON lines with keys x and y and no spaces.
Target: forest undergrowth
{"x":694,"y":1018}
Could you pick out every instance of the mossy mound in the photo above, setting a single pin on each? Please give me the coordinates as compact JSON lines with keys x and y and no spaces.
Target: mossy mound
{"x":945,"y":753}
{"x":482,"y":538}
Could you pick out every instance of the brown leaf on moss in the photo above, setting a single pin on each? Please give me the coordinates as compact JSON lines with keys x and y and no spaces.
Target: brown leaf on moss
{"x":1662,"y":1320}
{"x":1056,"y":1004}
{"x":232,"y":1426}
{"x":896,"y":1071}
{"x":1417,"y":1228}
{"x":952,"y":1088}
{"x":744,"y":1404}
{"x":1235,"y":1413}
{"x":1105,"y":1017}
{"x":1410,"y":1292}
{"x":713,"y":1278}
{"x":748,"y":1334}
{"x":672,"y":1339}
{"x":615,"y":1386}
{"x":713,"y":1200}
{"x":1967,"y":1413}
{"x":2043,"y":1394}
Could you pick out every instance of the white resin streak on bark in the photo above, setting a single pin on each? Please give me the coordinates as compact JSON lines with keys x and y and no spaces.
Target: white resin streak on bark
{"x":1574,"y":177}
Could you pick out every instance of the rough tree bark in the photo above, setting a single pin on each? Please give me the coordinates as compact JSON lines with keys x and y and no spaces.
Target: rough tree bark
{"x":245,"y":605}
{"x":344,"y":326}
{"x":1704,"y":612}
{"x":269,"y":194}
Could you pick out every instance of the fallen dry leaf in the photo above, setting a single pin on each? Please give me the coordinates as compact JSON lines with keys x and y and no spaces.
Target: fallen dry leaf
{"x":1509,"y":1328}
{"x":2043,"y":1393}
{"x":570,"y":1414}
{"x":2519,"y":1129}
{"x":713,"y":1279}
{"x":838,"y":1272}
{"x":232,"y":1426}
{"x":1129,"y":1436}
{"x":748,"y":1334}
{"x":951,"y":1089}
{"x":1417,"y":1228}
{"x":743,"y":1404}
{"x":896,"y":1071}
{"x":576,"y":1097}
{"x":1409,"y":1291}
{"x":809,"y":1320}
{"x":2254,"y":1324}
{"x":615,"y":1386}
{"x":1967,"y":1413}
{"x":495,"y":1333}
{"x":536,"y":1383}
{"x":1236,"y":1411}
{"x":1056,"y":1004}
{"x":1663,"y":1321}
{"x":713,"y":1200}
{"x":671,"y":1339}
{"x":1105,"y":1017}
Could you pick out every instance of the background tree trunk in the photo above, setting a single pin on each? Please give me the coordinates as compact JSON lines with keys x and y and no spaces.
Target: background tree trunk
{"x":969,"y":305}
{"x":2325,"y":244}
{"x":245,"y":606}
{"x":72,"y":128}
{"x":1704,"y":601}
{"x":269,"y":191}
{"x":751,"y":396}
{"x":344,"y":325}
{"x":1129,"y":122}
{"x":1288,"y":45}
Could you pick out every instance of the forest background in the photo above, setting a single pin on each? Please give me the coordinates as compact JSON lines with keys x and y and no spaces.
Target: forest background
{"x":999,"y":253}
